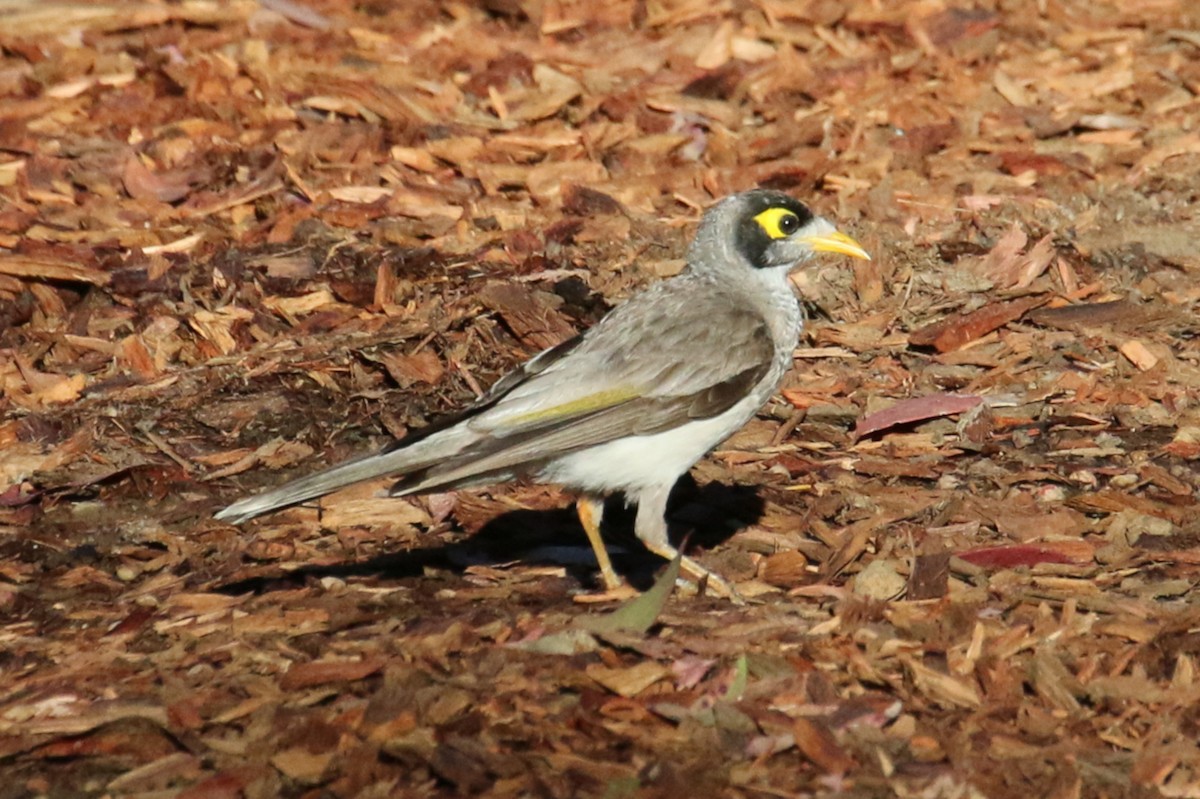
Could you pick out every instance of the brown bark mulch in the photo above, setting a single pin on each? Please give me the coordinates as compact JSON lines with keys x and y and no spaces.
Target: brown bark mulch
{"x":240,"y":240}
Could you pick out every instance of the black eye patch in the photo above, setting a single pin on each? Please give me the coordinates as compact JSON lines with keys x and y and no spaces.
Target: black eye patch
{"x":769,"y":217}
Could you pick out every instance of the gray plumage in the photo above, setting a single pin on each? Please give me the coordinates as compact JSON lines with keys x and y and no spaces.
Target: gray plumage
{"x":632,"y":403}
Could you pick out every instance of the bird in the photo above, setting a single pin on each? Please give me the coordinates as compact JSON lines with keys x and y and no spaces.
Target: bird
{"x":628,"y":406}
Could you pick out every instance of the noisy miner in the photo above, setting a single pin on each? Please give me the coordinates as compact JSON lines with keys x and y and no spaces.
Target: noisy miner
{"x":631,"y":404}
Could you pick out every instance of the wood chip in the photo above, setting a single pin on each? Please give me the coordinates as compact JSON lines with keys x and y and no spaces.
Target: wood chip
{"x":628,"y":681}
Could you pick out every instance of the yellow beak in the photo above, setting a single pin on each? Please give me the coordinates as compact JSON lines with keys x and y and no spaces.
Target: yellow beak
{"x":836,"y":242}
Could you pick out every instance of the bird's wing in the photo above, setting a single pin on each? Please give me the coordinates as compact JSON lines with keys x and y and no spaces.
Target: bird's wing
{"x":663,"y":343}
{"x":664,"y":363}
{"x":659,"y":359}
{"x":491,"y":455}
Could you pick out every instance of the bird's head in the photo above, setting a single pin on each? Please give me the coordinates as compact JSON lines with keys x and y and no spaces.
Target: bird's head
{"x":767,"y":230}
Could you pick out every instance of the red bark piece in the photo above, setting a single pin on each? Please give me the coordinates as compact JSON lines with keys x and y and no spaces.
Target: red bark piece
{"x":133,"y":622}
{"x":1008,"y":557}
{"x":954,"y":24}
{"x":532,"y":315}
{"x":126,"y":738}
{"x":951,"y":334}
{"x":142,"y":184}
{"x":14,"y":496}
{"x":1017,"y":162}
{"x":1186,"y":450}
{"x":818,"y":745}
{"x":308,"y":675}
{"x":916,"y":409}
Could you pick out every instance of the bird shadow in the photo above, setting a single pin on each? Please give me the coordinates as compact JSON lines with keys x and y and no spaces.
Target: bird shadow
{"x":703,"y":515}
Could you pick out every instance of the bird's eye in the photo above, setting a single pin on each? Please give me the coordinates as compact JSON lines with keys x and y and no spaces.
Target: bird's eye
{"x":778,"y":223}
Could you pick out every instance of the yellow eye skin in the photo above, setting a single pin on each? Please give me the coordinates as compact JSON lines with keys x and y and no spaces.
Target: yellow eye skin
{"x":778,"y":223}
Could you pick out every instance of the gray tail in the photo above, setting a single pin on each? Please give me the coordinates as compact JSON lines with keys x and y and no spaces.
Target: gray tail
{"x":318,"y":485}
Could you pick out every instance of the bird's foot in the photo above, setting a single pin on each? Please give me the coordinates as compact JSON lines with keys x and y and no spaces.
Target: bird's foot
{"x":611,"y":593}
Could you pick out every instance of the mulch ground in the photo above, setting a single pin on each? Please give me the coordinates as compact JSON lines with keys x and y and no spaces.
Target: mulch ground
{"x":241,"y":240}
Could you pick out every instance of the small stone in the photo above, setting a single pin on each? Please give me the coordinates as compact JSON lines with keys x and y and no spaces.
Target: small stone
{"x":1127,"y":480}
{"x":880,"y":580}
{"x":1083,"y":477}
{"x":948,"y":482}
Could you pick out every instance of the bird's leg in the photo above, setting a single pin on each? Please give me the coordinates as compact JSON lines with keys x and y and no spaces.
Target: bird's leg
{"x":651,"y":529}
{"x":591,"y":513}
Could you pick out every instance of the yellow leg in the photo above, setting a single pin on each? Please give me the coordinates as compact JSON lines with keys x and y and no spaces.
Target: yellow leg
{"x":591,"y":511}
{"x":701,"y":576}
{"x":651,"y":529}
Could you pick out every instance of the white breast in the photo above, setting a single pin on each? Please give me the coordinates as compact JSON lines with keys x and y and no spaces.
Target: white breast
{"x":635,"y":463}
{"x":632,"y":464}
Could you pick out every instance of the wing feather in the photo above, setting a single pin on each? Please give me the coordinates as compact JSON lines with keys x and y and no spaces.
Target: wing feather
{"x":561,"y":431}
{"x":666,"y":356}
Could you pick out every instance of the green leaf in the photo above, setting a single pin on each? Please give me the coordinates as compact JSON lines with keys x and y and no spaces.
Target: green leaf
{"x":622,"y":787}
{"x":638,"y":614}
{"x":741,"y":675}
